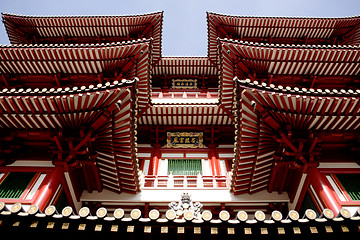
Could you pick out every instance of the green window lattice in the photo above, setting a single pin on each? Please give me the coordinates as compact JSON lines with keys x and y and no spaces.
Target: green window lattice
{"x":351,"y":184}
{"x":15,"y":184}
{"x":185,"y":167}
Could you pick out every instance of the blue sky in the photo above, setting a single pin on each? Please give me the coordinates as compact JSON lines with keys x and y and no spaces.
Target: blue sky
{"x":184,"y":26}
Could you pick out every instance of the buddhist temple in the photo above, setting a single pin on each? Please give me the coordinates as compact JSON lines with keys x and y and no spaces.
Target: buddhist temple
{"x":101,"y":136}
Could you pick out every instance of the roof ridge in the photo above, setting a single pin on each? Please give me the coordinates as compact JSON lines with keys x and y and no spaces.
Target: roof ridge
{"x":81,"y":16}
{"x":76,"y":45}
{"x":283,"y":17}
{"x":317,"y":46}
{"x":299,"y":91}
{"x":66,"y":90}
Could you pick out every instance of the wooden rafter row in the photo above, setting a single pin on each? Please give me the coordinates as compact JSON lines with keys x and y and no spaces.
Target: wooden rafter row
{"x":125,"y":60}
{"x":54,"y":111}
{"x":115,"y":146}
{"x":185,"y":115}
{"x":80,"y":29}
{"x":281,"y":30}
{"x":248,"y":60}
{"x":105,"y":112}
{"x":185,"y":66}
{"x":267,"y":113}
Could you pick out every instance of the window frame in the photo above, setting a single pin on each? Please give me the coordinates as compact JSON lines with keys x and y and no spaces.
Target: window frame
{"x":332,"y":173}
{"x":183,"y":160}
{"x":22,"y":199}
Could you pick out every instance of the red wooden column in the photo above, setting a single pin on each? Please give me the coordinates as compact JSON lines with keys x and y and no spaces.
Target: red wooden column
{"x":323,"y":190}
{"x":214,"y":160}
{"x":49,"y":187}
{"x":155,"y":158}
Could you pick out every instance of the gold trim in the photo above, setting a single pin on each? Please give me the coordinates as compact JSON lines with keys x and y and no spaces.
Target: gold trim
{"x":184,"y":84}
{"x":98,"y":228}
{"x":50,"y":225}
{"x":130,"y":228}
{"x":344,"y":228}
{"x":114,"y":228}
{"x":329,"y":229}
{"x":147,"y":229}
{"x":247,"y":231}
{"x":65,"y":226}
{"x":181,"y":230}
{"x":82,"y":226}
{"x":34,"y":224}
{"x":197,"y":230}
{"x":313,"y":230}
{"x":16,"y":224}
{"x":164,"y":229}
{"x":296,"y":230}
{"x":214,"y":230}
{"x":231,"y":230}
{"x":281,"y":230}
{"x":184,"y":140}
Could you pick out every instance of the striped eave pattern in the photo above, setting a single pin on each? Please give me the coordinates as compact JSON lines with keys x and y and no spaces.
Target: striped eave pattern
{"x":55,"y":109}
{"x":115,"y":146}
{"x":263,"y":111}
{"x":281,"y":27}
{"x":185,"y":115}
{"x":86,"y":26}
{"x":187,"y":66}
{"x":284,"y":60}
{"x":67,"y":108}
{"x":81,"y":59}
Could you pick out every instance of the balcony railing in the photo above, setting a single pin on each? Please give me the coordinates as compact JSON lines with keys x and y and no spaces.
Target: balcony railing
{"x":180,"y":182}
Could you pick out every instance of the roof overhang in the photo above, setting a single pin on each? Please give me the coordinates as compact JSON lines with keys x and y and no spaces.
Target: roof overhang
{"x":126,"y":60}
{"x":101,"y":115}
{"x":84,"y":29}
{"x":251,"y":60}
{"x":304,"y":30}
{"x":267,"y":117}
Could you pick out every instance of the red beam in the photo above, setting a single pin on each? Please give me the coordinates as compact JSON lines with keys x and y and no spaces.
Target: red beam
{"x":49,"y":187}
{"x":323,"y":190}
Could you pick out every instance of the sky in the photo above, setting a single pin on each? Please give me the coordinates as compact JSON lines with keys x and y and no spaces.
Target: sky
{"x":184,"y":24}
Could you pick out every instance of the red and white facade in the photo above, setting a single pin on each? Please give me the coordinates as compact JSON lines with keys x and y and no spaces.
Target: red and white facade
{"x":88,"y":105}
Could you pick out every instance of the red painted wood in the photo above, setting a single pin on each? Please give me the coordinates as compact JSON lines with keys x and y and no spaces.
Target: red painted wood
{"x":49,"y":187}
{"x":323,"y":190}
{"x":155,"y":158}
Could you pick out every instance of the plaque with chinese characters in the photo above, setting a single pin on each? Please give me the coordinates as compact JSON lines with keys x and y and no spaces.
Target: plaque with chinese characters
{"x":184,"y":83}
{"x":184,"y":140}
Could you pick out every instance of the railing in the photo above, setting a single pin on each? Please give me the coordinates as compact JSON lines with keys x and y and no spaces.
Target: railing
{"x":179,"y":182}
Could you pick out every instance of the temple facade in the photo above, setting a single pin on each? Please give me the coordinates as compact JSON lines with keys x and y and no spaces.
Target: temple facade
{"x":102,"y":136}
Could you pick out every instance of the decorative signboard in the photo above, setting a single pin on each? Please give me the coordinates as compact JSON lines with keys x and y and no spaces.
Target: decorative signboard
{"x":184,"y":140}
{"x":184,"y":83}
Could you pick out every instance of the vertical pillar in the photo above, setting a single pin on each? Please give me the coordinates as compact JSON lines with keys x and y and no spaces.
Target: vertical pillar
{"x":49,"y":187}
{"x":155,"y":158}
{"x":214,"y":161}
{"x":323,"y":190}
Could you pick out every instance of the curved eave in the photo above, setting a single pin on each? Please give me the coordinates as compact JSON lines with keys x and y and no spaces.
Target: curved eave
{"x":142,"y":227}
{"x":126,"y":60}
{"x":105,"y":109}
{"x":266,"y":110}
{"x":185,"y":66}
{"x":49,"y":107}
{"x":181,"y":114}
{"x":284,"y":60}
{"x":69,"y":59}
{"x":22,"y":29}
{"x":344,"y":29}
